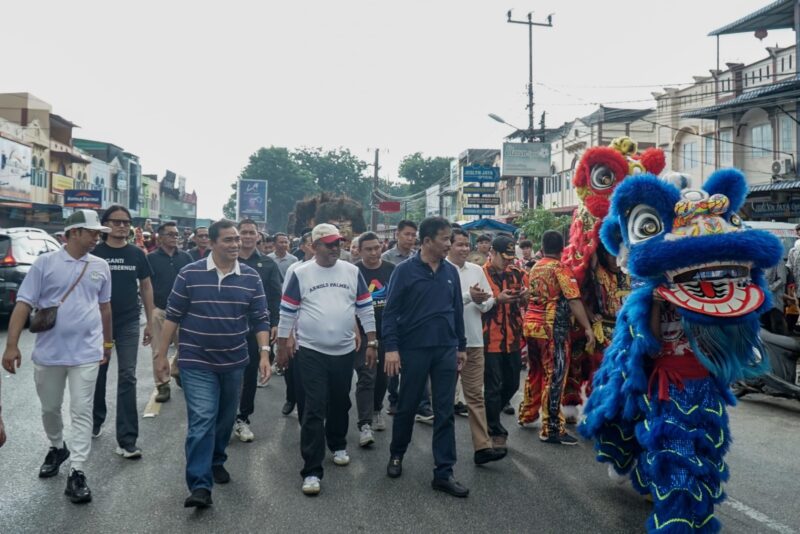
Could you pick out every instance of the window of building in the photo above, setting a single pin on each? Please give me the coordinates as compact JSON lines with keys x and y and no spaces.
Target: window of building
{"x":689,"y":158}
{"x":762,"y":141}
{"x":709,"y":151}
{"x":790,"y":62}
{"x":786,"y":126}
{"x":767,"y":71}
{"x":783,"y":64}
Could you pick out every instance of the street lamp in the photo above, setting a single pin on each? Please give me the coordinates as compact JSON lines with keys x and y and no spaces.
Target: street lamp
{"x":500,"y":119}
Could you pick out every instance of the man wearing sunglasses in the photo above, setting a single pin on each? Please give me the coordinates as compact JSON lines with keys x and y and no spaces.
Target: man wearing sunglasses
{"x":130,"y":277}
{"x":165,"y":262}
{"x":201,"y":249}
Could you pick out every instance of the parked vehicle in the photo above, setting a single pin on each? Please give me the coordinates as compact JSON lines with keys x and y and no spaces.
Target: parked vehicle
{"x":783,"y":379}
{"x":19,"y":248}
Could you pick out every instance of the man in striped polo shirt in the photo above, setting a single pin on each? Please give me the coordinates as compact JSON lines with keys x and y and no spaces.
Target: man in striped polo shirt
{"x":216,"y":301}
{"x":323,"y":297}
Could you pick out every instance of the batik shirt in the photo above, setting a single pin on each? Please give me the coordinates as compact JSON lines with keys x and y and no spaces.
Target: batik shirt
{"x":552,"y":285}
{"x":502,"y":325}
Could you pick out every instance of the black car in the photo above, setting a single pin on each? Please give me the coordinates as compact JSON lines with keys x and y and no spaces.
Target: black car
{"x":19,"y":248}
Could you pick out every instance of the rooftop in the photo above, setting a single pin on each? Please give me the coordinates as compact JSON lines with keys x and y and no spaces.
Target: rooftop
{"x":776,"y":16}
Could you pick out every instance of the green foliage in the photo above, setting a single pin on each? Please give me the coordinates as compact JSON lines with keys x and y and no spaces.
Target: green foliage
{"x":336,"y":171}
{"x":535,"y":222}
{"x":422,"y":172}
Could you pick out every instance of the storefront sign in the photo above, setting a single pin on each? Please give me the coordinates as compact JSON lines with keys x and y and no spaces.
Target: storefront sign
{"x":252,"y":200}
{"x":494,"y":201}
{"x":61,"y":183}
{"x":83,"y":198}
{"x":476,"y":173}
{"x":526,"y":159}
{"x":775,"y":209}
{"x":15,"y":170}
{"x":389,"y":206}
{"x":479,"y":190}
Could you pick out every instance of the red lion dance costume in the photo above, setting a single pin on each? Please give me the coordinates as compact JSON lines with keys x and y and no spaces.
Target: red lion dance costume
{"x":602,"y":285}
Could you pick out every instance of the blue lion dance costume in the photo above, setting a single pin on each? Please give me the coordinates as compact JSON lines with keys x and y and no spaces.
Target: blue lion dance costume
{"x":688,"y":329}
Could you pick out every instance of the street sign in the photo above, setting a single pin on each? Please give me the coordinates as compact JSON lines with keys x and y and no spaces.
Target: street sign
{"x":493,"y":201}
{"x":478,"y":211}
{"x":389,"y":206}
{"x":476,"y":173}
{"x":83,"y":198}
{"x":526,"y":159}
{"x":251,"y":202}
{"x":479,"y":190}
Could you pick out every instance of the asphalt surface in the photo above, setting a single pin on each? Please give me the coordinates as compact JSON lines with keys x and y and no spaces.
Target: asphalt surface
{"x":538,"y":487}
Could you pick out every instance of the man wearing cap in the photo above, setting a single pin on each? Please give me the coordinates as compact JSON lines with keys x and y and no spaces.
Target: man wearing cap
{"x":73,"y":348}
{"x":502,"y":333}
{"x":323,"y":297}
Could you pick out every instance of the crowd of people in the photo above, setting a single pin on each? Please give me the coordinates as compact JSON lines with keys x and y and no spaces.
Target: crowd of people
{"x":430,"y":326}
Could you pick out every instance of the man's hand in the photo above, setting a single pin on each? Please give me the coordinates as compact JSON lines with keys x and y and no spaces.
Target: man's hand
{"x":506,"y":296}
{"x":590,"y":340}
{"x":462,"y":360}
{"x":264,"y":368}
{"x":12,"y":359}
{"x":358,"y":340}
{"x":273,"y":334}
{"x":392,"y":364}
{"x":478,"y":295}
{"x":284,"y":353}
{"x":2,"y":432}
{"x":147,"y":338}
{"x":106,"y":356}
{"x":290,"y":346}
{"x":161,"y":364}
{"x":371,"y":357}
{"x":524,"y":294}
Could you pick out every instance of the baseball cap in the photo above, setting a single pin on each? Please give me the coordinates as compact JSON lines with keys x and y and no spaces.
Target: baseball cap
{"x":327,"y":233}
{"x":505,"y":246}
{"x":85,"y":219}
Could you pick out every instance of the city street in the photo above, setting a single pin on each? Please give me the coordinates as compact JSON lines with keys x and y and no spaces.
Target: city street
{"x":538,"y":488}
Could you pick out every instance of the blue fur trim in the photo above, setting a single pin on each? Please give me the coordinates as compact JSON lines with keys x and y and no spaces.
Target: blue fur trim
{"x":731,"y":183}
{"x":611,"y":234}
{"x":644,"y":189}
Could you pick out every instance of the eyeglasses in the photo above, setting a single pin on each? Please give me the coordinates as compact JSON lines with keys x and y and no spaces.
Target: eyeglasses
{"x":170,"y":234}
{"x":120,"y":222}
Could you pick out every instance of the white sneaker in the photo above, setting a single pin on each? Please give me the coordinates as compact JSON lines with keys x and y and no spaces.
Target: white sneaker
{"x":378,"y":422}
{"x":367,"y":438}
{"x":340,"y":458}
{"x":242,"y":431}
{"x":311,"y":485}
{"x":129,"y":453}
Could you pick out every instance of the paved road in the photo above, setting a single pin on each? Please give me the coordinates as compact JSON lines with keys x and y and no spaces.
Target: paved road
{"x":537,"y":488}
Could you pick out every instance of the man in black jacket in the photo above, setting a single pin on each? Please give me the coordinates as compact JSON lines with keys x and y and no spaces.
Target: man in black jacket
{"x":272,"y":280}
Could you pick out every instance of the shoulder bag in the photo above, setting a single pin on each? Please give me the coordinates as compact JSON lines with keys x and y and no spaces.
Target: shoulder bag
{"x":45,"y":318}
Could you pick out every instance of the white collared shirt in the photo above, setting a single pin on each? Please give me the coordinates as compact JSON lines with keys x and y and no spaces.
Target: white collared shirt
{"x":470,"y":274}
{"x":211,"y":266}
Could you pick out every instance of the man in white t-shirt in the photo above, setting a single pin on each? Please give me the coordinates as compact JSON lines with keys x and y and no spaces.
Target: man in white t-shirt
{"x":322,"y":298}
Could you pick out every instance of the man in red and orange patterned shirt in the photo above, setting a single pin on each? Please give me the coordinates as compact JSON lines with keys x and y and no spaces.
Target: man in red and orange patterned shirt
{"x":554,"y":298}
{"x":502,"y":334}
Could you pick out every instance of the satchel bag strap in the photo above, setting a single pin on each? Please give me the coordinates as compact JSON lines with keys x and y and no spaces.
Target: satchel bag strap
{"x":85,"y":265}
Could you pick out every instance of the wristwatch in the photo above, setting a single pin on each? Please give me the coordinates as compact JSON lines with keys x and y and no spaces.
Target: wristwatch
{"x":373,"y":344}
{"x":264,"y":348}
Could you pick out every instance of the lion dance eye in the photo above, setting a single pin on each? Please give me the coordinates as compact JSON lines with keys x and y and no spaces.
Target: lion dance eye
{"x":735,"y":220}
{"x":602,"y":177}
{"x":643,"y":224}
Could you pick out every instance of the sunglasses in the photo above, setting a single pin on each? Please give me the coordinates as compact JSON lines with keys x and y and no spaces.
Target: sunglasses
{"x":119,"y":222}
{"x":333,"y":245}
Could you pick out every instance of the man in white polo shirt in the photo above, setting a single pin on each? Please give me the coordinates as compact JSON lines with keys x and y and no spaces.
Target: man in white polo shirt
{"x":324,"y":297}
{"x":73,"y":348}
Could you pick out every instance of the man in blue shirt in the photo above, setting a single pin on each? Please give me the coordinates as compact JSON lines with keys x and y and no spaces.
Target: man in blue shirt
{"x":423,"y":332}
{"x":217,"y":301}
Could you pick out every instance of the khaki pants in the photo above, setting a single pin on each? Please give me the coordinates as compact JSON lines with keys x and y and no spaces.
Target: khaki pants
{"x":472,"y":384}
{"x":156,"y":325}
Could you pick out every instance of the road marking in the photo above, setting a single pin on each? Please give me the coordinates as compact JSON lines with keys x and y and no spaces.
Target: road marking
{"x":758,"y":516}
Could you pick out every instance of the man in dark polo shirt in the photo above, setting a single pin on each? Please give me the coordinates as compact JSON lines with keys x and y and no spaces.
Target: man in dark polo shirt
{"x":165,"y":263}
{"x":272,"y":280}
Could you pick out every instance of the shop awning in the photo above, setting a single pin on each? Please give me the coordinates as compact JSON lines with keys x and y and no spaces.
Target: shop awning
{"x":74,"y":158}
{"x":489,"y":224}
{"x":782,"y":185}
{"x":787,"y":89}
{"x":777,"y":15}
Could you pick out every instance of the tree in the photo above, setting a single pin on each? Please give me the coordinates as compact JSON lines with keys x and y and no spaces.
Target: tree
{"x":535,"y":222}
{"x":288,"y":183}
{"x":337,"y":171}
{"x":422,"y":172}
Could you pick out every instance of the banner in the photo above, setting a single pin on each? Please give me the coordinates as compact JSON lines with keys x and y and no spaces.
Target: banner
{"x":432,"y":201}
{"x":252,"y":200}
{"x":15,"y":170}
{"x":526,"y":159}
{"x":83,"y":198}
{"x":61,"y":183}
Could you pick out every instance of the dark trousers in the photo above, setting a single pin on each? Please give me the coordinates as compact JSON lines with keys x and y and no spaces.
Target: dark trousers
{"x":326,"y":414}
{"x":366,"y":379}
{"x":249,"y":380}
{"x":126,"y":345}
{"x":393,"y":387}
{"x":500,"y":382}
{"x":440,"y":365}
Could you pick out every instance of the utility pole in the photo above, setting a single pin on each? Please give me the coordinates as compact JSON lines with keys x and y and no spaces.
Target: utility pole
{"x":374,"y":218}
{"x":531,"y":129}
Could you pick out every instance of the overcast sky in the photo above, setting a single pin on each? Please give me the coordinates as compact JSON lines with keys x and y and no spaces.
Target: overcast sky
{"x":197,"y":89}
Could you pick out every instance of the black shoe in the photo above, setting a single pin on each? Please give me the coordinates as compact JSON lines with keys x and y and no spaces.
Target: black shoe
{"x":451,"y":486}
{"x":461,"y":409}
{"x":395,"y":467}
{"x":563,"y":439}
{"x":53,"y":460}
{"x":508,"y":409}
{"x":163,"y":393}
{"x":96,"y":431}
{"x":200,"y":498}
{"x":484,"y":456}
{"x":287,"y":408}
{"x":221,"y":475}
{"x":392,"y":408}
{"x":77,"y":490}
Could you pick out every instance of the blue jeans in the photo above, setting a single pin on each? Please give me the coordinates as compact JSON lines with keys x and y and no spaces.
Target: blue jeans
{"x":211,"y":403}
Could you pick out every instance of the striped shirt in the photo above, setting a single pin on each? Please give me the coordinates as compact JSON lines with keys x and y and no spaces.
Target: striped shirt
{"x":215,"y":312}
{"x":324,"y":301}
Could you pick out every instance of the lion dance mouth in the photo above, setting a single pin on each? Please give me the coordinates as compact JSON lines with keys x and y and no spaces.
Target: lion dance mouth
{"x":723,"y":290}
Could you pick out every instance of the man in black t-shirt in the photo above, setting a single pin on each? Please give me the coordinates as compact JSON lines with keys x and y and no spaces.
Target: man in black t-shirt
{"x":130,"y":276}
{"x":372,"y":382}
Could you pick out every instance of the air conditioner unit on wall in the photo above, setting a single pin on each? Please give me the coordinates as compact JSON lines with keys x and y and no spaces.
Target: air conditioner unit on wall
{"x":782,"y":167}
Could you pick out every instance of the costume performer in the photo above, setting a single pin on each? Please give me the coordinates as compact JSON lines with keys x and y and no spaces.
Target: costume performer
{"x":688,"y":329}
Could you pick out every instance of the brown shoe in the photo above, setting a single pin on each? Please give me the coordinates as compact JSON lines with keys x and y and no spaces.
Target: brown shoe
{"x":163,"y":393}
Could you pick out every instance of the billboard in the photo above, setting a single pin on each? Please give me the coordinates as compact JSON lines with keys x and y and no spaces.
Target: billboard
{"x":526,"y":159}
{"x":432,"y":201}
{"x":83,"y":198}
{"x":61,"y":183}
{"x":252,"y":200}
{"x":15,"y":170}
